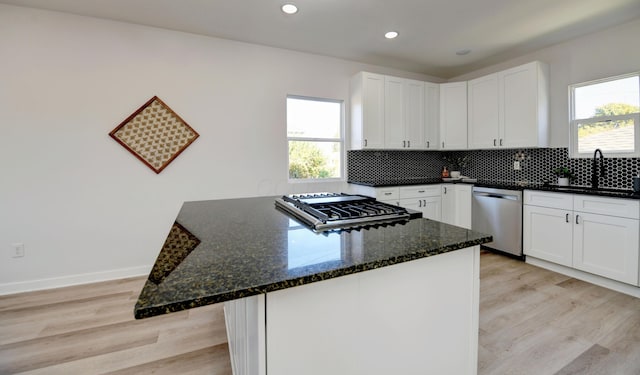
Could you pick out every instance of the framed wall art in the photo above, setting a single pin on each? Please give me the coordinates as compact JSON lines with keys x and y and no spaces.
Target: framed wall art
{"x":155,"y":134}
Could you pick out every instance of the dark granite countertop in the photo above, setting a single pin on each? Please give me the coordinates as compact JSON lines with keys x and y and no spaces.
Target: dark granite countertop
{"x":509,"y":185}
{"x":222,"y":250}
{"x":398,"y":182}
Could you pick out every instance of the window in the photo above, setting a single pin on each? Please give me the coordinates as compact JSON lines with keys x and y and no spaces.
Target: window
{"x":315,"y":138}
{"x":605,"y":114}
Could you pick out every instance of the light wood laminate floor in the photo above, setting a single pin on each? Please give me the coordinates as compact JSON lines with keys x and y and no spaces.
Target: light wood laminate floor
{"x":532,"y":321}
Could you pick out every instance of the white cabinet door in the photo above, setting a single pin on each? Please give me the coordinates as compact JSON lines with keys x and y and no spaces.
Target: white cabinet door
{"x":423,"y":198}
{"x":404,"y":113}
{"x":548,"y":234}
{"x":387,"y":112}
{"x":463,"y":203}
{"x":394,"y":113}
{"x":606,"y":246}
{"x":432,"y":116}
{"x":448,"y":204}
{"x":367,"y":111}
{"x":456,"y":205}
{"x":524,"y":105}
{"x":430,"y":207}
{"x":510,"y":108}
{"x":453,"y":116}
{"x":414,"y":125}
{"x":484,"y":119}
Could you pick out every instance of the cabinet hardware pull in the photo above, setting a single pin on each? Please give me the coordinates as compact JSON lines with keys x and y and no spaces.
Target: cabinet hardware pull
{"x":387,"y":193}
{"x":409,"y":144}
{"x":425,"y":203}
{"x":445,"y":190}
{"x":500,"y":141}
{"x":494,"y":142}
{"x":420,"y":191}
{"x":577,"y":216}
{"x":427,"y":144}
{"x":442,"y":144}
{"x":404,"y":143}
{"x":419,"y":203}
{"x":365,"y":143}
{"x":566,"y":218}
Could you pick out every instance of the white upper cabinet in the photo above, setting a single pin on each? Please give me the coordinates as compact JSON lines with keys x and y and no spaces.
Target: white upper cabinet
{"x":431,"y":116}
{"x":524,"y":99}
{"x":453,"y":116}
{"x":387,"y":112}
{"x":367,"y":111}
{"x":414,"y":125}
{"x":510,"y":108}
{"x":484,"y":118}
{"x":404,"y":113}
{"x":394,"y":116}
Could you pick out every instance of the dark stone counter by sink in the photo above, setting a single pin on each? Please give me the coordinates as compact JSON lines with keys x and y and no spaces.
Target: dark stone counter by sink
{"x":222,"y":250}
{"x":509,"y":185}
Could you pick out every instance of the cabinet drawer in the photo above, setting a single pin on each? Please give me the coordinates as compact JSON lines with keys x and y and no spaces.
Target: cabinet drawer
{"x":561,"y":201}
{"x":628,"y":208}
{"x":386,"y":194}
{"x":419,"y":191}
{"x":380,"y":193}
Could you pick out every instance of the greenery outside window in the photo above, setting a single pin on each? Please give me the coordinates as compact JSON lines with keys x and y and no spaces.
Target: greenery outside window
{"x":605,"y":114}
{"x":315,"y":135}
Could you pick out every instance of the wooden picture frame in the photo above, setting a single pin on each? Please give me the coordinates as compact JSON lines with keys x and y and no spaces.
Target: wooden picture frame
{"x":154,"y":134}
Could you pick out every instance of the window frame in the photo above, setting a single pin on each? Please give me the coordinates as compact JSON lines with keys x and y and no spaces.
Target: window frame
{"x":573,"y":122}
{"x":341,"y":140}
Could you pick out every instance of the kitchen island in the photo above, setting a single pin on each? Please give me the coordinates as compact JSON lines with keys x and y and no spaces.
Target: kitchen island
{"x":299,"y":302}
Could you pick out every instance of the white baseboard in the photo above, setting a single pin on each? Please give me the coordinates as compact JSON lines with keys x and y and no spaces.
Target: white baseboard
{"x":85,"y":278}
{"x":585,"y":276}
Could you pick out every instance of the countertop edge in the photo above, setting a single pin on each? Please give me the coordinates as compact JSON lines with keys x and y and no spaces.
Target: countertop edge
{"x":150,"y":311}
{"x":621,"y":194}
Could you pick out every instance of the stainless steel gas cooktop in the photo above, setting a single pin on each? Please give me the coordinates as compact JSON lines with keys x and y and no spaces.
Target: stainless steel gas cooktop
{"x":339,"y":211}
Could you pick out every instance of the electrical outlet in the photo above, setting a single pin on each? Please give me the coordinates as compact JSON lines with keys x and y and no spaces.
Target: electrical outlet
{"x":18,"y":250}
{"x":516,"y":165}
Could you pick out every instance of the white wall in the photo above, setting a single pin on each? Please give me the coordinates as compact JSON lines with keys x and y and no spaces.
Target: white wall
{"x":84,"y":207}
{"x":603,"y":54}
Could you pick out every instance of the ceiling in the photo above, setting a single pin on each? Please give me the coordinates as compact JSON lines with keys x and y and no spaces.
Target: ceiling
{"x":431,"y":31}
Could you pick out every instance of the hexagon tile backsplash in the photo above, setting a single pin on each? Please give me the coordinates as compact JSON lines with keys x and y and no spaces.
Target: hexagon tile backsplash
{"x":537,"y":165}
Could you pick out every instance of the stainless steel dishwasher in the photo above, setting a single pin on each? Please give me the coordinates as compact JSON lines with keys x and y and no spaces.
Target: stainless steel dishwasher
{"x":499,"y":212}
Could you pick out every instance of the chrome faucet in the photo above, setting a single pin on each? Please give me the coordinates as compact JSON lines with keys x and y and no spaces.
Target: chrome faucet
{"x":594,"y":168}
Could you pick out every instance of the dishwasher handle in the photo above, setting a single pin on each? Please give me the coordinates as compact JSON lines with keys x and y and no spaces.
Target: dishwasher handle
{"x":497,"y":196}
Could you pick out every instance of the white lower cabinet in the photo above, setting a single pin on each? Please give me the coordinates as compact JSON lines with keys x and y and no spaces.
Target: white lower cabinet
{"x":606,"y":246}
{"x":548,"y":234}
{"x":456,"y":204}
{"x":591,"y":234}
{"x":430,"y":207}
{"x":449,"y":203}
{"x":423,"y":198}
{"x":411,"y":318}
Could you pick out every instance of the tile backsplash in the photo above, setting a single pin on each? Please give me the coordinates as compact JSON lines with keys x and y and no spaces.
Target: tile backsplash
{"x":537,"y":165}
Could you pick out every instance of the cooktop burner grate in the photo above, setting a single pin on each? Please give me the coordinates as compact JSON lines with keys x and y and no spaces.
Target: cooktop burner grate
{"x":325,"y":211}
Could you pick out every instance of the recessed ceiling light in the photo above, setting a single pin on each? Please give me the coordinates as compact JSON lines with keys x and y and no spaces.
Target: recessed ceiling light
{"x":289,"y":9}
{"x":463,"y":52}
{"x":391,"y":34}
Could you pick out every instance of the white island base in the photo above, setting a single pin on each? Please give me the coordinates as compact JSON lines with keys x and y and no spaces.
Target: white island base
{"x":417,"y":317}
